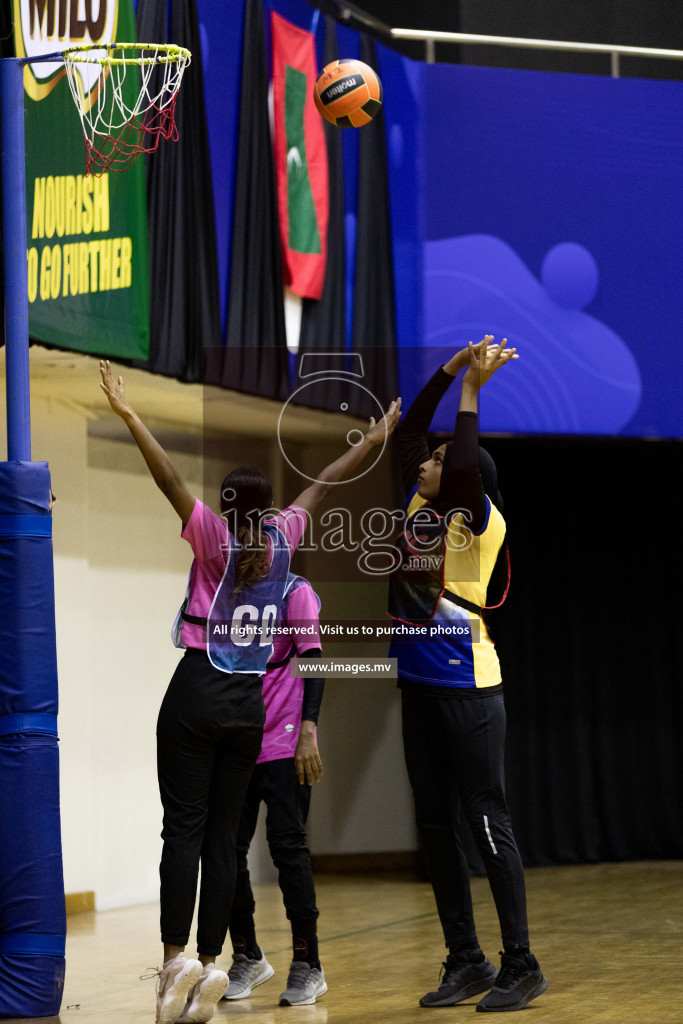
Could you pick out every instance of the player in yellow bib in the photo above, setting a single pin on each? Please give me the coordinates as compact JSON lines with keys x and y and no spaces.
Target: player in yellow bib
{"x":451,"y":565}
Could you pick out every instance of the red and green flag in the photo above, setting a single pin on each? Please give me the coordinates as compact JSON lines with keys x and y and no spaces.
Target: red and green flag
{"x":300,"y":159}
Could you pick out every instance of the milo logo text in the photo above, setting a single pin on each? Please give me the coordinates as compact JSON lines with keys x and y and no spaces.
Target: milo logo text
{"x":57,"y":19}
{"x":43,"y":26}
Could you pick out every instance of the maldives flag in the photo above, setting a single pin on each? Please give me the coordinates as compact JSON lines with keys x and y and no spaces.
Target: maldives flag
{"x":300,"y":159}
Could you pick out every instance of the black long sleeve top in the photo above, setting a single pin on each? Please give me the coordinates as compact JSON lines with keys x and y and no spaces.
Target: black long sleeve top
{"x":461,"y":486}
{"x":313,"y":691}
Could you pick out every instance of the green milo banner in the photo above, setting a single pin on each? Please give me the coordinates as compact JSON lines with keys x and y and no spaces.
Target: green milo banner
{"x":88,"y":280}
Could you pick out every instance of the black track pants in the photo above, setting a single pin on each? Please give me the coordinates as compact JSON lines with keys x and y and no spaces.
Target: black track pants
{"x":276,"y":784}
{"x":454,"y":750}
{"x":208,"y":738}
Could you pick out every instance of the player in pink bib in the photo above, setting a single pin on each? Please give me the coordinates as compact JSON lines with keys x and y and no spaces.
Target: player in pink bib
{"x":288,"y":764}
{"x":211,"y":720}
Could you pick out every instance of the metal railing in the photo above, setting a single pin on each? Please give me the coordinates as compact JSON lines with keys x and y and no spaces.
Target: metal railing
{"x":614,"y":51}
{"x":349,"y":12}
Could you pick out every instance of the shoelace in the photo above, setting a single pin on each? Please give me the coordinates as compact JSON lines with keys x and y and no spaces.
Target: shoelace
{"x":510,"y":971}
{"x":152,"y":972}
{"x":298,"y":974}
{"x":450,"y":970}
{"x":149,"y":973}
{"x":240,"y":970}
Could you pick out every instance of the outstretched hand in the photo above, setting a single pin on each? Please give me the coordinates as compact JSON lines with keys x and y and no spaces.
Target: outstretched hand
{"x":114,"y":390}
{"x":486,"y":359}
{"x":377,"y":432}
{"x":461,"y":359}
{"x":343,"y":467}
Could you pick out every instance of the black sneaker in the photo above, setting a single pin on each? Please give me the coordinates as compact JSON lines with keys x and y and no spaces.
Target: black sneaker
{"x":467,"y":973}
{"x":519,"y":980}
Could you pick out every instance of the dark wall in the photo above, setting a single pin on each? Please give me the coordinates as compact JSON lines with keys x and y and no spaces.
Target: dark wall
{"x":624,"y":22}
{"x":591,"y":647}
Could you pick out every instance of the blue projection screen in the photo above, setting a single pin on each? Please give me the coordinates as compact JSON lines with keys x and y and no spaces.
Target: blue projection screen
{"x":548,"y":209}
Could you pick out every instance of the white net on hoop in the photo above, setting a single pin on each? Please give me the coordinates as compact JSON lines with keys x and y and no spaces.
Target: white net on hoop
{"x":132,"y":103}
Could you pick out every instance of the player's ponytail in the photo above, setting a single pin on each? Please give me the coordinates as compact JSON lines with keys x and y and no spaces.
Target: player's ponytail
{"x":254,"y":558}
{"x":245,"y":494}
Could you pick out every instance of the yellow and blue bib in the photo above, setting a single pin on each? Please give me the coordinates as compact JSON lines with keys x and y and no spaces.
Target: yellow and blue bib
{"x":438,"y":641}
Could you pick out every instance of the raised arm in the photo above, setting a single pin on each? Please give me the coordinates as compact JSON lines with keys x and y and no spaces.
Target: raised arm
{"x":164,"y":473}
{"x":343,"y":467}
{"x":461,"y":485}
{"x":411,"y":434}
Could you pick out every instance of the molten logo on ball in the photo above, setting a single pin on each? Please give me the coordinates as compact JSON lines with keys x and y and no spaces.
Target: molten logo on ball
{"x":348,"y":93}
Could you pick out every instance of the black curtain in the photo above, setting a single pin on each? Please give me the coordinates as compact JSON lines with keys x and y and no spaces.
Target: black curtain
{"x":374,"y":314}
{"x":184,"y":305}
{"x":6,"y":30}
{"x":255,"y":359}
{"x":323,"y":320}
{"x":591,"y":647}
{"x":6,"y":50}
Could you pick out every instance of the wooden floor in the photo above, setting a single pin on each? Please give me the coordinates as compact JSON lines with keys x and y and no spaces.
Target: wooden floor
{"x":609,"y":937}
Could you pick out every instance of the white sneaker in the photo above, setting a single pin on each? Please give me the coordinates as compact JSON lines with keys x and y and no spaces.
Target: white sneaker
{"x":202,"y":1000}
{"x":304,"y":984}
{"x":246,"y":974}
{"x":176,"y":978}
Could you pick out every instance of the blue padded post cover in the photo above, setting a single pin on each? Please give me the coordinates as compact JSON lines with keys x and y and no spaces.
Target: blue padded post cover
{"x":32,"y":912}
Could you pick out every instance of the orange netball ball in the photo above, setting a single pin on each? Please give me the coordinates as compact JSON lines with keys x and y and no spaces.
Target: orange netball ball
{"x":348,"y":93}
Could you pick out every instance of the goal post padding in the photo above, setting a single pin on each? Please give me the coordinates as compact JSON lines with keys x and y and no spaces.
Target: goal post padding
{"x":32,"y":911}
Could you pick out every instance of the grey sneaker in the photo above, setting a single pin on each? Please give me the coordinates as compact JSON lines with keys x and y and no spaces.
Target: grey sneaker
{"x":246,"y":974}
{"x":304,"y":984}
{"x":467,"y":973}
{"x":519,"y":980}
